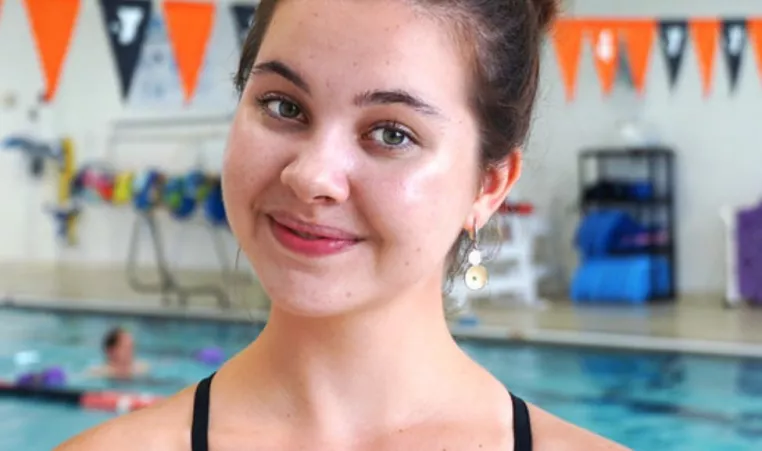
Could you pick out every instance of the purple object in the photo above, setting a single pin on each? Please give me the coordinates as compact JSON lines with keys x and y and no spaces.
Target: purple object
{"x":211,"y":355}
{"x":26,"y":380}
{"x":749,"y":251}
{"x":54,"y":377}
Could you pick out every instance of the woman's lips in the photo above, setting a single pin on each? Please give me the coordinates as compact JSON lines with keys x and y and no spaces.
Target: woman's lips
{"x":313,"y":240}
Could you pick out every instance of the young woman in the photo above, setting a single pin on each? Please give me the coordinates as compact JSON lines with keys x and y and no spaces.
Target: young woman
{"x":372,"y":139}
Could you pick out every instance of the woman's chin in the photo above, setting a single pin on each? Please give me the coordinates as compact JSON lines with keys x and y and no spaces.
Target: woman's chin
{"x":313,"y":308}
{"x":313,"y":301}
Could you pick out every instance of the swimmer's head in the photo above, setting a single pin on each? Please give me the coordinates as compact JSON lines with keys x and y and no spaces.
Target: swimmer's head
{"x":119,"y":347}
{"x":371,"y":137}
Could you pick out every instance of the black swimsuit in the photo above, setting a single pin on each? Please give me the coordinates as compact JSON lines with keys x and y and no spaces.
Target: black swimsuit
{"x":522,"y":429}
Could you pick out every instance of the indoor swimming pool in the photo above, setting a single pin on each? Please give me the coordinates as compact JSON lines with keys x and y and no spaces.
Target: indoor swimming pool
{"x":648,"y":402}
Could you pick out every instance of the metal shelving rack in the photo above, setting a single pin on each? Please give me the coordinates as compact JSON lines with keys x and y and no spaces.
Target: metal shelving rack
{"x":654,"y":165}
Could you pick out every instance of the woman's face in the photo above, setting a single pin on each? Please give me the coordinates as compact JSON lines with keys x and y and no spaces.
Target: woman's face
{"x":123,"y":352}
{"x":352,"y":162}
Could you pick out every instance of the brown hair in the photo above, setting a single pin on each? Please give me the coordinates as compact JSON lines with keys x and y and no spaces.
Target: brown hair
{"x":507,"y":36}
{"x":112,"y":338}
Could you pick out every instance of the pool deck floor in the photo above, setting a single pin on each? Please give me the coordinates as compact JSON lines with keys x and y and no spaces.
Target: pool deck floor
{"x":696,"y":324}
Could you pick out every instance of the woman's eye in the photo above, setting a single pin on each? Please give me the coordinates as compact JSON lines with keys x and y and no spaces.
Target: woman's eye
{"x":390,"y":137}
{"x":282,"y":108}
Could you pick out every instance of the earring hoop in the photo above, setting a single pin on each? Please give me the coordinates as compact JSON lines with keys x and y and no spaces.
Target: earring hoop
{"x":476,"y":276}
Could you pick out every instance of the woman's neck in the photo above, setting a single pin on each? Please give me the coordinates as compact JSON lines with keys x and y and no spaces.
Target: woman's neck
{"x":389,"y":365}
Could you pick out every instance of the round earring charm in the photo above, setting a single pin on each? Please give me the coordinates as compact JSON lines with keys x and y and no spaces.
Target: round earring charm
{"x":475,"y":257}
{"x":476,"y":277}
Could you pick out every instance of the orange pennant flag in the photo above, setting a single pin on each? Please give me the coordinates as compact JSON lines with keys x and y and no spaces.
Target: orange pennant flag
{"x":52,"y":24}
{"x":706,"y":36}
{"x":639,"y":37}
{"x":605,"y":40}
{"x":755,"y":33}
{"x":567,"y":38}
{"x":189,"y":26}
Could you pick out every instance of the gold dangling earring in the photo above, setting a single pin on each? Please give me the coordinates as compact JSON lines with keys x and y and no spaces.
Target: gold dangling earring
{"x":476,"y":276}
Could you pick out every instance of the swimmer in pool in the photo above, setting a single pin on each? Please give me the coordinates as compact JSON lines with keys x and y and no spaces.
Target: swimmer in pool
{"x":372,"y":143}
{"x":119,"y":350}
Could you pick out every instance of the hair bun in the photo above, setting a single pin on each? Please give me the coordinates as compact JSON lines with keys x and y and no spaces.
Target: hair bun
{"x":546,"y":12}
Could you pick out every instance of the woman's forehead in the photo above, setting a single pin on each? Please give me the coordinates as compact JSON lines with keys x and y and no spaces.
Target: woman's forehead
{"x":366,"y":45}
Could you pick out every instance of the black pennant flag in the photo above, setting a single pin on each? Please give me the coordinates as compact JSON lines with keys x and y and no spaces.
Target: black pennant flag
{"x":126,"y":22}
{"x":244,"y":18}
{"x":734,"y":38}
{"x":674,"y":37}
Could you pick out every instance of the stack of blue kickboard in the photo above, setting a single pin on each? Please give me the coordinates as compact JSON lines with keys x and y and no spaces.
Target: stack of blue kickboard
{"x":605,"y":275}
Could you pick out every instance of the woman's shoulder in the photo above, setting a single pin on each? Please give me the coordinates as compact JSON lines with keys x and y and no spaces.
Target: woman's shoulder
{"x":162,"y":427}
{"x":552,"y":433}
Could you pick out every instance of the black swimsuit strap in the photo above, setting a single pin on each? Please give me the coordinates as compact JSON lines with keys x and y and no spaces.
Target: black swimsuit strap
{"x":522,"y":428}
{"x":200,"y":425}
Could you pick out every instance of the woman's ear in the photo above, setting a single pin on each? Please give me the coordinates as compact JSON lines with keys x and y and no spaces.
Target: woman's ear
{"x":496,"y":183}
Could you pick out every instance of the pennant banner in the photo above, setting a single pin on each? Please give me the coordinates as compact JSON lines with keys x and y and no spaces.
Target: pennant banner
{"x":618,"y":44}
{"x":52,"y":23}
{"x":638,"y":41}
{"x":733,"y":45}
{"x":605,"y":40}
{"x":126,"y":22}
{"x":189,"y":26}
{"x":674,"y":37}
{"x":754,"y":29}
{"x":705,"y":34}
{"x":567,"y":39}
{"x":243,"y":16}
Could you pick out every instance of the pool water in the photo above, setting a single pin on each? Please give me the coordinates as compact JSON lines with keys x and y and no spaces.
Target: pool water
{"x":664,"y":402}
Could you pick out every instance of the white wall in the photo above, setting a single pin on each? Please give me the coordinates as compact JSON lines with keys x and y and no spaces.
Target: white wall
{"x":87,"y":103}
{"x":718,"y":156}
{"x":717,"y":140}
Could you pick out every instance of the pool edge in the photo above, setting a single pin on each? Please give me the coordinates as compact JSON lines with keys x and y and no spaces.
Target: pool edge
{"x":540,"y":336}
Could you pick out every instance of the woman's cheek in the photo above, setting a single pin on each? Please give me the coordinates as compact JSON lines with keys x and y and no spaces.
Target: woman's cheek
{"x":247,"y":163}
{"x":420,"y":204}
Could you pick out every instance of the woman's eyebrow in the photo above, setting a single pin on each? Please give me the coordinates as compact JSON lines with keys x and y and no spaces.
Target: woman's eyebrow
{"x":376,"y":97}
{"x":397,"y":96}
{"x":282,"y":69}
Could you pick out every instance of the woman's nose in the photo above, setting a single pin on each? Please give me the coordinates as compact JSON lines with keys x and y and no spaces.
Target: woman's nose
{"x":318,"y":173}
